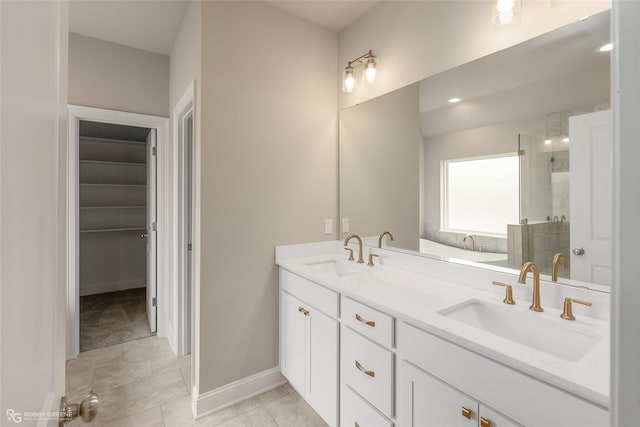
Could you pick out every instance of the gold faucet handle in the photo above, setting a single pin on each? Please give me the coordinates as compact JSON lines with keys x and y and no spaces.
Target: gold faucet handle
{"x":370,"y":263}
{"x":351,"y":258}
{"x":567,"y":313}
{"x":508,"y":298}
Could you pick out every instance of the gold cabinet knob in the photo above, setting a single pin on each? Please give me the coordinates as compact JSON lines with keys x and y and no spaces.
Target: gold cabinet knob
{"x":508,"y":298}
{"x":466,"y":412}
{"x":567,"y":313}
{"x":484,"y":422}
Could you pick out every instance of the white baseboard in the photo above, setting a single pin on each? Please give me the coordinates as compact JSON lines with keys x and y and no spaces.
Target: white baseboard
{"x":101,"y":288}
{"x":214,"y":400}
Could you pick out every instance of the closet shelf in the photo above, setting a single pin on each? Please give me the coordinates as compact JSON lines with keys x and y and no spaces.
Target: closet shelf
{"x":115,"y":207}
{"x":115,"y":185}
{"x":109,"y":141}
{"x":104,"y":162}
{"x":106,"y":230}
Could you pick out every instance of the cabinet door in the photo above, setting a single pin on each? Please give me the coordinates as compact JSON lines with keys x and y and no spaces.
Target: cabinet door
{"x":322,"y":385}
{"x":492,"y":418}
{"x":293,"y":359}
{"x":424,"y":401}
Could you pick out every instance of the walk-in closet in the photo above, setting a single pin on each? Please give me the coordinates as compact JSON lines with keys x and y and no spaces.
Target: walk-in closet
{"x":113,"y":218}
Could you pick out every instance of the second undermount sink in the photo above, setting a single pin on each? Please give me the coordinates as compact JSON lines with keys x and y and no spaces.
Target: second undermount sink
{"x":333,"y":268}
{"x":525,"y":328}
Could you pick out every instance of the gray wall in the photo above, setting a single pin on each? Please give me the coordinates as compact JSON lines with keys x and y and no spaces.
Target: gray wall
{"x":379,"y":167}
{"x":115,"y":77}
{"x":268,"y":173}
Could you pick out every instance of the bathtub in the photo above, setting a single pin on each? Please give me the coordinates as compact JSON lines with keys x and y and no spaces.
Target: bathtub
{"x":438,"y":249}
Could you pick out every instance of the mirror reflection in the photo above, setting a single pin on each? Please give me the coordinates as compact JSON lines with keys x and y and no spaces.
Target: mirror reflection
{"x":500,"y":161}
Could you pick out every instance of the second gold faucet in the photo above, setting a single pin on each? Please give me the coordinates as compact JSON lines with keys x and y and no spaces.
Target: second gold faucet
{"x":535,"y":303}
{"x":355,"y":236}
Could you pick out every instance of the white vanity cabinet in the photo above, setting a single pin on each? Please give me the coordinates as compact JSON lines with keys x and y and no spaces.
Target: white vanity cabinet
{"x":309,"y":342}
{"x":437,"y":378}
{"x":380,"y":370}
{"x":426,"y":401}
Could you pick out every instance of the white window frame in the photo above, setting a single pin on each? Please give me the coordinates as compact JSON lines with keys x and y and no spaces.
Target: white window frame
{"x":444,"y":202}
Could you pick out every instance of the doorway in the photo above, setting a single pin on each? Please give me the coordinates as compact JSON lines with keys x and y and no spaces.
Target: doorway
{"x":116,"y":187}
{"x":116,"y":216}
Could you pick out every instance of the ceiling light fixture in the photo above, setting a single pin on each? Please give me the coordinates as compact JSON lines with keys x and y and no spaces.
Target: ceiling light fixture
{"x":454,"y":100}
{"x":606,"y":47}
{"x":565,"y":140}
{"x":369,"y":73}
{"x":547,"y":141}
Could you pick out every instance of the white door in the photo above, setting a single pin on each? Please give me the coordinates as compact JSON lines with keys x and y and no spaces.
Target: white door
{"x":151,"y":229}
{"x":294,"y":335}
{"x":426,"y":401}
{"x":492,"y":418}
{"x":32,"y":251}
{"x":323,"y":365}
{"x":591,"y":138}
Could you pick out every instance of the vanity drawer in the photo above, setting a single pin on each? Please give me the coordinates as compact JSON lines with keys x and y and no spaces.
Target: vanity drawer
{"x":368,"y":369}
{"x":322,"y":298}
{"x":368,"y":321}
{"x":354,"y":411}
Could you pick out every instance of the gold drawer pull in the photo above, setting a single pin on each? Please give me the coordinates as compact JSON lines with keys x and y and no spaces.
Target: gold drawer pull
{"x":466,"y":413}
{"x":364,"y":371}
{"x":303,"y":311}
{"x":485,"y":422}
{"x":366,"y":322}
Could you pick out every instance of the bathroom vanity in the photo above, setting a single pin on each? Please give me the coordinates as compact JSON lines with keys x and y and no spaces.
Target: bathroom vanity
{"x":415,"y":341}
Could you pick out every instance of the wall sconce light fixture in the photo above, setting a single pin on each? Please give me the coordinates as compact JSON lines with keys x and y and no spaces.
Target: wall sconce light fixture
{"x":368,"y":62}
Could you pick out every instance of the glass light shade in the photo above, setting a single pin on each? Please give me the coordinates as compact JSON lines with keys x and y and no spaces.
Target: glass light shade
{"x":505,"y":17}
{"x":504,"y":6}
{"x":606,"y":48}
{"x":349,"y":82}
{"x":370,"y":71}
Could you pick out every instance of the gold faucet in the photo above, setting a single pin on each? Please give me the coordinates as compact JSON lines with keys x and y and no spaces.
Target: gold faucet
{"x":559,"y":258}
{"x":346,"y":242}
{"x":384,"y":233}
{"x":535,"y":304}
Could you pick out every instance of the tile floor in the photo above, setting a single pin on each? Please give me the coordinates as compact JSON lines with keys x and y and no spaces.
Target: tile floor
{"x":112,"y":318}
{"x":142,"y":383}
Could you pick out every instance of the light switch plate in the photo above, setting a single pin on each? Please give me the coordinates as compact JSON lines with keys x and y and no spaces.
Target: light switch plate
{"x":328,"y":226}
{"x":345,"y":225}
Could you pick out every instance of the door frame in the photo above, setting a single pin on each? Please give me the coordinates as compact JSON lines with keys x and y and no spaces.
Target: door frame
{"x":161,"y":125}
{"x":181,"y":339}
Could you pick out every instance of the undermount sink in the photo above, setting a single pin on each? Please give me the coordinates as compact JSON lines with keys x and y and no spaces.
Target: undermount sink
{"x":333,"y":268}
{"x":525,"y":328}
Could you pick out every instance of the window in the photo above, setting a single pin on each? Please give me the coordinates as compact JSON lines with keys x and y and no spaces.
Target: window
{"x":480,"y":195}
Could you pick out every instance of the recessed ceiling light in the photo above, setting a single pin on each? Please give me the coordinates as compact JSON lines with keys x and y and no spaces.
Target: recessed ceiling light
{"x":547,"y":141}
{"x":454,"y":100}
{"x":606,"y":48}
{"x":565,"y":140}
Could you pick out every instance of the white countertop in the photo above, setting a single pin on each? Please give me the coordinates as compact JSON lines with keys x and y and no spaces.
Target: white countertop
{"x":416,"y":299}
